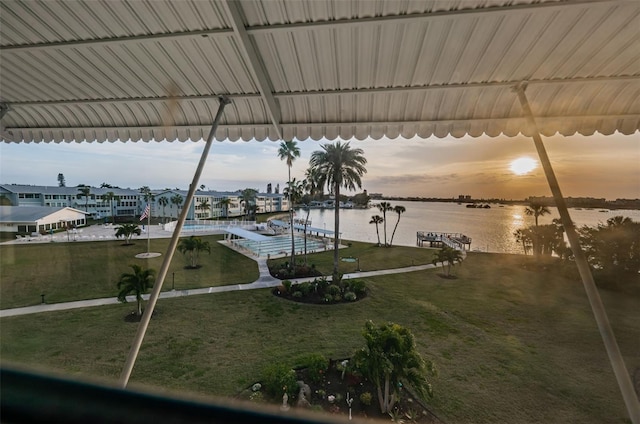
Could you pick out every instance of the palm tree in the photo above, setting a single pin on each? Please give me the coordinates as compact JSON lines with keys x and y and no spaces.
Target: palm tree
{"x":524,"y":236}
{"x":314,"y":182}
{"x":138,"y":283}
{"x":163,"y":201}
{"x":191,"y":247}
{"x":247,"y":198}
{"x":127,"y":231}
{"x":390,"y":359}
{"x":110,"y":196}
{"x":377,"y":219}
{"x":289,"y":151}
{"x":224,"y":204}
{"x":85,"y":190}
{"x":536,"y":209}
{"x":205,"y":206}
{"x":399,"y":210}
{"x":177,"y":200}
{"x":293,"y":191}
{"x":384,"y":207}
{"x":340,"y":166}
{"x":447,"y":256}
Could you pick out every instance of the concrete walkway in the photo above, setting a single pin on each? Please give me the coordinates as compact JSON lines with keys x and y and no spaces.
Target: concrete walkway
{"x":264,"y":281}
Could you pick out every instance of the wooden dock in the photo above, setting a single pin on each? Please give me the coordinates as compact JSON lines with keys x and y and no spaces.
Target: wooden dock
{"x":455,"y":240}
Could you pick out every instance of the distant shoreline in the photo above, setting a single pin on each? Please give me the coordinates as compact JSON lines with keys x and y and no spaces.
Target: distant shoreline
{"x":575,"y":203}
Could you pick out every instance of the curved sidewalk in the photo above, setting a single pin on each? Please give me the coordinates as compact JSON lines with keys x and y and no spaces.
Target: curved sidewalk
{"x":264,"y":281}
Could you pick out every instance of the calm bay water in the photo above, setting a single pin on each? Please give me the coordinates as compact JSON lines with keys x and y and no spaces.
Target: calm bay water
{"x":490,"y":229}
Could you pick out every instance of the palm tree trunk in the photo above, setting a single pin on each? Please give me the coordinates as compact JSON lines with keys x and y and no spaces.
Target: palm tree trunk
{"x":378,"y":234}
{"x":394,"y":231}
{"x":384,"y":217}
{"x":336,"y":228}
{"x":139,"y":305}
{"x":293,"y":240}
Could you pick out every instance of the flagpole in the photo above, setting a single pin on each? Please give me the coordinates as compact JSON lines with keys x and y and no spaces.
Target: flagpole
{"x":149,"y":229}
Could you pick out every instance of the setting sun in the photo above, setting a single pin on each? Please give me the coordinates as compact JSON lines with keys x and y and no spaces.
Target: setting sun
{"x":523,"y":165}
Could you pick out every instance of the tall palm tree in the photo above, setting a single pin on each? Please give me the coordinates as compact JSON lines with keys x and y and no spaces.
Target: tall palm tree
{"x":314,"y":182}
{"x":536,"y":209}
{"x":377,"y":219}
{"x":127,"y":231}
{"x":138,"y":283}
{"x":399,"y":210}
{"x":293,"y":191}
{"x":224,"y":204}
{"x":288,"y":152}
{"x":177,"y":200}
{"x":205,"y":206}
{"x":247,"y":198}
{"x":191,"y":247}
{"x":163,"y":201}
{"x":110,"y":196}
{"x":385,"y":207}
{"x":340,"y":166}
{"x":84,"y":190}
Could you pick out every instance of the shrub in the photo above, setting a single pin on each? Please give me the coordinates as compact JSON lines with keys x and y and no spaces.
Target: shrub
{"x":305,"y":288}
{"x":298,"y":294}
{"x":357,"y":286}
{"x":287,"y":285}
{"x":365,"y":398}
{"x":278,"y":378}
{"x":337,"y":298}
{"x":328,"y":298}
{"x":316,"y":365}
{"x":350,"y":296}
{"x":333,"y":290}
{"x":321,"y":284}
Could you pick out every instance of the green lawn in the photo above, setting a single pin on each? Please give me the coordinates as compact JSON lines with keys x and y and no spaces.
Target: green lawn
{"x":512,"y":345}
{"x":86,"y":270}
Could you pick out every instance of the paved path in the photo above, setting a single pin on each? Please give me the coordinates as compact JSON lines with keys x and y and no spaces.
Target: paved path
{"x":264,"y":281}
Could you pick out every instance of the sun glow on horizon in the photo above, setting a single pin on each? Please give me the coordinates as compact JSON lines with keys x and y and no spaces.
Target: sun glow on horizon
{"x":523,"y":165}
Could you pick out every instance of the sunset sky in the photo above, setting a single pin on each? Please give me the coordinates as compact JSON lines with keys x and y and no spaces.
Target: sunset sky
{"x":594,"y":166}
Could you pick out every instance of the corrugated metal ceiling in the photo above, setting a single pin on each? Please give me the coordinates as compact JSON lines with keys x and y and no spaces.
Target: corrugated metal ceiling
{"x":141,"y":70}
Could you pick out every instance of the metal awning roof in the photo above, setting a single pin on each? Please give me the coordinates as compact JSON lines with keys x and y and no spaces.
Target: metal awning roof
{"x":139,"y":70}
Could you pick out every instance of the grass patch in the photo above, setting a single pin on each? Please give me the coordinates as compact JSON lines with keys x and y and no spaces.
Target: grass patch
{"x":86,"y":270}
{"x":371,"y":257}
{"x":511,"y":344}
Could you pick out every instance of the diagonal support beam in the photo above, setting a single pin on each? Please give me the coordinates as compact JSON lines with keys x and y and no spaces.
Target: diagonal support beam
{"x":599,"y":312}
{"x":255,"y":65}
{"x":157,"y":286}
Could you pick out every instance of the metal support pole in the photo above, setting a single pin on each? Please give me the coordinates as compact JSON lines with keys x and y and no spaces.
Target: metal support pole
{"x":600,"y":314}
{"x":157,"y":286}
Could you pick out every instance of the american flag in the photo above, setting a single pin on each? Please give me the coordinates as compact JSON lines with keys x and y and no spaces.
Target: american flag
{"x":145,"y":213}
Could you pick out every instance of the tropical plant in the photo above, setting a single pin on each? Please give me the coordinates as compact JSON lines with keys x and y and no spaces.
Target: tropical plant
{"x":110,"y":196}
{"x":85,"y":191}
{"x":288,"y":152}
{"x":127,"y":231}
{"x":389,"y":359}
{"x":447,"y":256}
{"x":399,"y":210}
{"x":247,"y":200}
{"x":377,"y":219}
{"x":614,"y":247}
{"x":536,"y":209}
{"x":224,"y":204}
{"x":524,"y":237}
{"x":204,"y":206}
{"x":340,"y":166}
{"x":385,"y":207}
{"x":191,"y":248}
{"x":293,"y":191}
{"x":314,"y":182}
{"x":61,"y":181}
{"x":163,"y":201}
{"x":137,"y":283}
{"x":177,"y":200}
